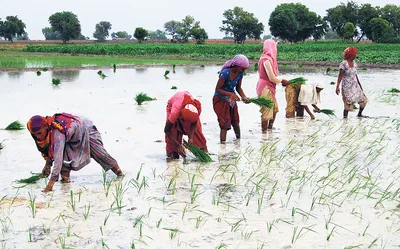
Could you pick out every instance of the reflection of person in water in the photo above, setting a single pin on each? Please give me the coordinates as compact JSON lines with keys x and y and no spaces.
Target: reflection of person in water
{"x":69,"y":142}
{"x":224,"y":100}
{"x":352,"y":91}
{"x":299,"y":97}
{"x":183,"y":118}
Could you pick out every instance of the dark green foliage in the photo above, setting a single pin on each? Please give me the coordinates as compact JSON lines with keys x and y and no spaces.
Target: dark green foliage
{"x":15,"y":126}
{"x":32,"y":179}
{"x":38,"y":73}
{"x":142,"y":97}
{"x":328,"y":112}
{"x":262,"y":101}
{"x":333,"y":83}
{"x":166,"y":73}
{"x":197,"y":152}
{"x":11,"y":27}
{"x":44,"y":69}
{"x":140,"y":34}
{"x":56,"y":81}
{"x":298,"y":81}
{"x":101,"y":31}
{"x":394,"y":90}
{"x":67,"y":24}
{"x":174,"y":87}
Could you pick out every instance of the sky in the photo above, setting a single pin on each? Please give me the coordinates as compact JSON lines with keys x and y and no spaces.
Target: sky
{"x":126,"y":15}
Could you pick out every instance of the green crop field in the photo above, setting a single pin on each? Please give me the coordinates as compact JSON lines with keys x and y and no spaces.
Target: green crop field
{"x":310,"y":51}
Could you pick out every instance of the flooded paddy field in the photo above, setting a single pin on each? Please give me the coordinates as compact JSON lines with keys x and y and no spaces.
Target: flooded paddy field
{"x":324,"y":183}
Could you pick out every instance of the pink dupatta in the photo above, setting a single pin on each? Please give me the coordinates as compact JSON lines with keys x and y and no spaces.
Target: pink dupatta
{"x":270,"y":52}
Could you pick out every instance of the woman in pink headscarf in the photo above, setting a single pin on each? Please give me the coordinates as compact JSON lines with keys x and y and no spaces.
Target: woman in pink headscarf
{"x":266,"y":86}
{"x":224,"y":100}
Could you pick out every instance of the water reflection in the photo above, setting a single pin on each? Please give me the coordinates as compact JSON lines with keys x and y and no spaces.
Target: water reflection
{"x":66,"y":76}
{"x":15,"y":75}
{"x":193,"y":69}
{"x":141,"y":70}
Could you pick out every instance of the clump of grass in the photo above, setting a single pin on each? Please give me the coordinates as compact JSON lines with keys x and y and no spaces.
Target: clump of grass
{"x":32,"y":179}
{"x":15,"y":126}
{"x":262,"y":101}
{"x":56,"y":81}
{"x":142,"y":97}
{"x":101,"y":74}
{"x":197,"y":152}
{"x":328,"y":112}
{"x":44,"y":69}
{"x":298,"y":81}
{"x":166,"y":73}
{"x":333,"y":83}
{"x":38,"y":73}
{"x":174,"y":87}
{"x":394,"y":90}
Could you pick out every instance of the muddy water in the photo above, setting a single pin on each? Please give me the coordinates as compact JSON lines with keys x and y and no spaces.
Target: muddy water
{"x":295,"y":186}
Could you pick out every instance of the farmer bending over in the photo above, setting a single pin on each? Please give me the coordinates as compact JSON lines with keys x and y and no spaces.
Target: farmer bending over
{"x":299,"y":97}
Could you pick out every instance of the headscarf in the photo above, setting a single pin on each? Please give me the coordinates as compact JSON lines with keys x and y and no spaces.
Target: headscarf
{"x":190,"y":113}
{"x":350,"y":53}
{"x":270,"y":52}
{"x":35,"y":123}
{"x":239,"y":60}
{"x":320,"y":85}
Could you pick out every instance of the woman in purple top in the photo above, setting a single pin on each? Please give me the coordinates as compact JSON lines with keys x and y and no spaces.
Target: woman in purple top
{"x":68,"y":142}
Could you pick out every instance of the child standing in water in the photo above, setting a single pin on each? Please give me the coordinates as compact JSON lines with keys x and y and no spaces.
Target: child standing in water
{"x":224,"y":100}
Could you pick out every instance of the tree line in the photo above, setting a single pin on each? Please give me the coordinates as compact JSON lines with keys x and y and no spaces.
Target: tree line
{"x":293,"y":22}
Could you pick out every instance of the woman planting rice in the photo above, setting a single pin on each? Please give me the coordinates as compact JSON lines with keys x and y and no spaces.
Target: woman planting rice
{"x":352,"y":91}
{"x":183,"y":118}
{"x":224,"y":100}
{"x":69,"y":142}
{"x":298,"y":97}
{"x":266,"y":86}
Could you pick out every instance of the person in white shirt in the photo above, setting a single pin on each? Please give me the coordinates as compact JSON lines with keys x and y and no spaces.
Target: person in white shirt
{"x":299,"y":97}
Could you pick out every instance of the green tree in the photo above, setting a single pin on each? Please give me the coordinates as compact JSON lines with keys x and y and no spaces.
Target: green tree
{"x":391,"y":13}
{"x":198,"y":34}
{"x":365,"y":14}
{"x":241,"y":24}
{"x":121,"y":34}
{"x":11,"y":28}
{"x":331,"y":35}
{"x":101,"y":32}
{"x":380,"y":29}
{"x":140,"y":34}
{"x":67,"y":24}
{"x":157,"y":35}
{"x":186,"y":27}
{"x":172,"y":27}
{"x":49,"y":34}
{"x":340,"y":15}
{"x":348,"y":31}
{"x":295,"y":22}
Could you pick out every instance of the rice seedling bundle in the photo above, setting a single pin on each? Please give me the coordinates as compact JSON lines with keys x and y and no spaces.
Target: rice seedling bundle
{"x":298,"y":81}
{"x":32,"y":179}
{"x":328,"y":112}
{"x":38,"y":73}
{"x":166,"y":73}
{"x":56,"y":81}
{"x":142,"y":97}
{"x":262,"y":101}
{"x":333,"y":83}
{"x":174,"y":87}
{"x":197,"y":152}
{"x":394,"y":90}
{"x":15,"y":126}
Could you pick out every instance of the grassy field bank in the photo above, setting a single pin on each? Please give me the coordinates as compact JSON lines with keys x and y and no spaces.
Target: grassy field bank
{"x":169,"y":53}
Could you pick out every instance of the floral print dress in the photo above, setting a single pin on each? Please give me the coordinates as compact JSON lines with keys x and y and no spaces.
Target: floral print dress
{"x":351,"y":90}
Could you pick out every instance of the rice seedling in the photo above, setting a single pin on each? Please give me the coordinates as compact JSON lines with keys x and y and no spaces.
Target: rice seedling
{"x":1,"y":145}
{"x":32,"y":203}
{"x":158,"y":223}
{"x":221,"y":245}
{"x":56,"y":81}
{"x":166,"y":73}
{"x":393,"y":90}
{"x":44,"y":69}
{"x":32,"y":179}
{"x":142,"y":97}
{"x":298,"y":81}
{"x":6,"y":224}
{"x":174,"y":87}
{"x":262,"y":101}
{"x":72,"y":201}
{"x":104,"y":245}
{"x":86,"y":212}
{"x":197,"y":152}
{"x":373,"y":242}
{"x":118,"y":197}
{"x":173,"y":68}
{"x":330,"y":234}
{"x":101,"y":230}
{"x":114,"y":67}
{"x":15,"y":126}
{"x":173,"y":232}
{"x":333,"y":83}
{"x":30,"y":235}
{"x":38,"y":73}
{"x":296,"y":235}
{"x":328,"y":112}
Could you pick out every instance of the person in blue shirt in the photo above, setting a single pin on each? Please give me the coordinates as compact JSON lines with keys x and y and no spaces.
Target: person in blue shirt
{"x":225,"y":97}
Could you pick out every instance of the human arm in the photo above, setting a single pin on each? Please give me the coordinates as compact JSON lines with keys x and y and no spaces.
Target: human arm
{"x":241,"y":92}
{"x":339,"y":80}
{"x":219,"y":90}
{"x":167,"y":131}
{"x":316,"y":109}
{"x":59,"y":141}
{"x":47,"y":168}
{"x":308,"y":111}
{"x":192,"y":130}
{"x":271,"y":75}
{"x":359,"y":82}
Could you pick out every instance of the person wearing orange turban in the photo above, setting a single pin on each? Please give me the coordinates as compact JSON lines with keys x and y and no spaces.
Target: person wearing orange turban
{"x":352,"y":91}
{"x":183,"y":118}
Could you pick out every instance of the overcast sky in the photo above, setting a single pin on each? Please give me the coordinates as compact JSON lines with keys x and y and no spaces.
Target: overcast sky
{"x":126,"y":15}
